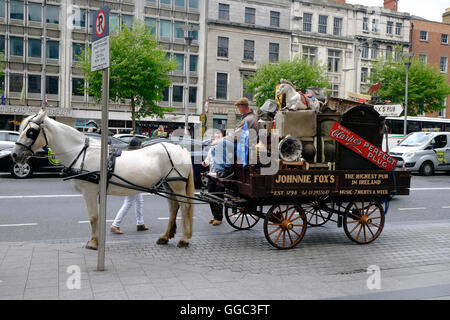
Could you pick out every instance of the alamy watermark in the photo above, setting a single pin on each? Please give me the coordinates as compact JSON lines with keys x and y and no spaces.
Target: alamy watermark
{"x":374,"y":280}
{"x":73,"y":282}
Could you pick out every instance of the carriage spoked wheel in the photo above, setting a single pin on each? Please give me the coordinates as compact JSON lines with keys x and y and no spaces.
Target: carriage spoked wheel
{"x":285,"y":225}
{"x":316,"y":213}
{"x":363,"y":220}
{"x":243,"y":218}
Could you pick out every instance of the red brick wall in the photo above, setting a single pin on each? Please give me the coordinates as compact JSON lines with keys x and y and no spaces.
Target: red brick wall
{"x":433,"y":47}
{"x":391,"y":4}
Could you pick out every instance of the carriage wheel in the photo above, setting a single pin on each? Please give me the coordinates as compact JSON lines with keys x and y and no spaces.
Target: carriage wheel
{"x":363,"y":220}
{"x":316,"y":214}
{"x":285,"y":225}
{"x":243,"y":218}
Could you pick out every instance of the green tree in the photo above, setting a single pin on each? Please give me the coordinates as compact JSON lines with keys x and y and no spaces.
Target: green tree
{"x":301,"y":72}
{"x":139,"y":71}
{"x":427,"y":87}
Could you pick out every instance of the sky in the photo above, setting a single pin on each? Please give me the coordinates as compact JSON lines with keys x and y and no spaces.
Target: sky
{"x":430,"y":9}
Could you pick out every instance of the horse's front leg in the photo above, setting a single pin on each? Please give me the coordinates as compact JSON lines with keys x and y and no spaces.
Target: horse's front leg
{"x":92,"y":207}
{"x":172,"y":225}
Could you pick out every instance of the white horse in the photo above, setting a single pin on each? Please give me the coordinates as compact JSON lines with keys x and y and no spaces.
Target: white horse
{"x":293,"y":98}
{"x":145,"y":167}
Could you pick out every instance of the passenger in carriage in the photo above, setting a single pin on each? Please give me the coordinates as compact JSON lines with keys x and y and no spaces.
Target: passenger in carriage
{"x":136,"y":199}
{"x":223,"y":153}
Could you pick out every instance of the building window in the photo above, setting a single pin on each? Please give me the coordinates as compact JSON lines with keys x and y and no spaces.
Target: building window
{"x":444,"y":38}
{"x":180,"y":3}
{"x":334,"y":90}
{"x":179,"y":58}
{"x":127,"y":20}
{"x":166,"y":94}
{"x":374,"y":25}
{"x":15,"y":82}
{"x":79,"y":17}
{"x":77,"y":87}
{"x":443,"y":64}
{"x":34,"y":83}
{"x":165,"y":28}
{"x":337,"y":26}
{"x":364,"y":74}
{"x":365,"y":51}
{"x":374,"y":52}
{"x":249,"y":50}
{"x":193,"y":63}
{"x":274,"y":19}
{"x":77,"y":49}
{"x":388,"y":52}
{"x":114,"y":22}
{"x":34,"y":12}
{"x":224,"y":11}
{"x":2,"y":8}
{"x":307,"y":22}
{"x":192,"y":94}
{"x":167,"y":2}
{"x":194,"y":33}
{"x":323,"y":20}
{"x":193,"y":4}
{"x":442,"y":113}
{"x":334,"y":57}
{"x":274,"y":52}
{"x":423,"y":35}
{"x":177,"y":94}
{"x":310,"y":53}
{"x":222,"y":47}
{"x":151,"y":23}
{"x":52,"y":49}
{"x":221,"y":86}
{"x":250,"y":15}
{"x":17,"y":9}
{"x":423,"y":58}
{"x":366,"y":24}
{"x":389,"y":27}
{"x":52,"y":84}
{"x":246,"y":92}
{"x":398,"y":28}
{"x":52,"y":15}
{"x":34,"y":48}
{"x":2,"y":43}
{"x":16,"y":46}
{"x":179,"y":33}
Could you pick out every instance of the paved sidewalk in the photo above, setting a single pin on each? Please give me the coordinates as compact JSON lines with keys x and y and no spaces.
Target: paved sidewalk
{"x":414,"y":260}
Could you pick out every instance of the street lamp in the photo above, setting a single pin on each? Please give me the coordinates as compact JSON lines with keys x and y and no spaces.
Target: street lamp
{"x":406,"y":57}
{"x":188,"y":29}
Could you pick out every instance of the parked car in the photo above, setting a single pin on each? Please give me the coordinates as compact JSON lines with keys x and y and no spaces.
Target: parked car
{"x":424,"y":152}
{"x":197,"y":148}
{"x":128,"y":136}
{"x":43,"y":161}
{"x":8,"y":138}
{"x":111,"y":140}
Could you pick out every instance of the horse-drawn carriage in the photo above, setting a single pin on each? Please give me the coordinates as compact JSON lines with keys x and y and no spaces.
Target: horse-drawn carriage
{"x":340,"y":170}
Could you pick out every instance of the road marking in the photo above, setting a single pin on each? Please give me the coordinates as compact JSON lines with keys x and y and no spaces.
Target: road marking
{"x":87,"y":221}
{"x":419,"y":208}
{"x":425,"y":189}
{"x":18,"y":224}
{"x":167,"y":218}
{"x":446,"y":207}
{"x":42,"y":196}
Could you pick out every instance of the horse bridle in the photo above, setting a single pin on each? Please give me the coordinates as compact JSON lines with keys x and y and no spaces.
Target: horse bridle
{"x":33,"y":134}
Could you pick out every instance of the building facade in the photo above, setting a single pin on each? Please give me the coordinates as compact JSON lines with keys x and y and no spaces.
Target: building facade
{"x":69,"y":31}
{"x":431,"y":44}
{"x":240,"y":36}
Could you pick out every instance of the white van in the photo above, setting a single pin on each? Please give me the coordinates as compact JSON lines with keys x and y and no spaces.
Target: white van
{"x":424,"y":152}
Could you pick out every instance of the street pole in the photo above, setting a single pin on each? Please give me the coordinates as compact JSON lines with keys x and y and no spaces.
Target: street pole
{"x":186,"y":100}
{"x":405,"y":125}
{"x":44,"y":55}
{"x":356,"y":67}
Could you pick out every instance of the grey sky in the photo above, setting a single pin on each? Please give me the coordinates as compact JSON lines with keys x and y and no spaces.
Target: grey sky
{"x":430,"y":10}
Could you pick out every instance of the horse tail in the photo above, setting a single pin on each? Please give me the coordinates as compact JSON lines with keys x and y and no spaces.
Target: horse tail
{"x":190,"y":192}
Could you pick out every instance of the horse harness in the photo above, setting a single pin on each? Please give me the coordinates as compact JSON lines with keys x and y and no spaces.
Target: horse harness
{"x":33,"y":134}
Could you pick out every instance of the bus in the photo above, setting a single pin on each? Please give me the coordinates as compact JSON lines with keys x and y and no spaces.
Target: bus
{"x":395,"y":126}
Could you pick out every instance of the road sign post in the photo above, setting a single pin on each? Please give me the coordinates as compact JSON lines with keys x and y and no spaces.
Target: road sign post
{"x":100,"y":61}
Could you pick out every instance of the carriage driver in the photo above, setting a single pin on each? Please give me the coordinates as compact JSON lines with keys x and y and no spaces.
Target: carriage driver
{"x":223,"y":153}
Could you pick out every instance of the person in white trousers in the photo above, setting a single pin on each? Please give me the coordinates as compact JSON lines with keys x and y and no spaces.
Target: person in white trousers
{"x":136,"y":199}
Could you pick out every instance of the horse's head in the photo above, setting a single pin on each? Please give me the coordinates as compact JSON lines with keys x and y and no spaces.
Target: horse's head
{"x":32,"y":137}
{"x":282,"y":89}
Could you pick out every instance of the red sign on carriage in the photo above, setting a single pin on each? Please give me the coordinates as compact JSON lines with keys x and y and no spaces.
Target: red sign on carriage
{"x":362,"y":147}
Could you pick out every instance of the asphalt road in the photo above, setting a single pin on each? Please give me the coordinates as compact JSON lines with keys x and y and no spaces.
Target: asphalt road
{"x":47,"y":208}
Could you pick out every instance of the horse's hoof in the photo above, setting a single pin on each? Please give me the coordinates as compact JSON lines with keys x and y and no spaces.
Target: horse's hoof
{"x":90,"y":246}
{"x":183,"y":244}
{"x":162,"y":241}
{"x":173,"y":231}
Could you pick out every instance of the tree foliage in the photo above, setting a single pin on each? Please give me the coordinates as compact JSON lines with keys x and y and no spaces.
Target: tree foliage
{"x":301,"y":72}
{"x":139,"y":71}
{"x":427,"y":87}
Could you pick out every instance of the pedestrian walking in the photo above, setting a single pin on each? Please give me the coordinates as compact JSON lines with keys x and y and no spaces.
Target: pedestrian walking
{"x":137,"y":200}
